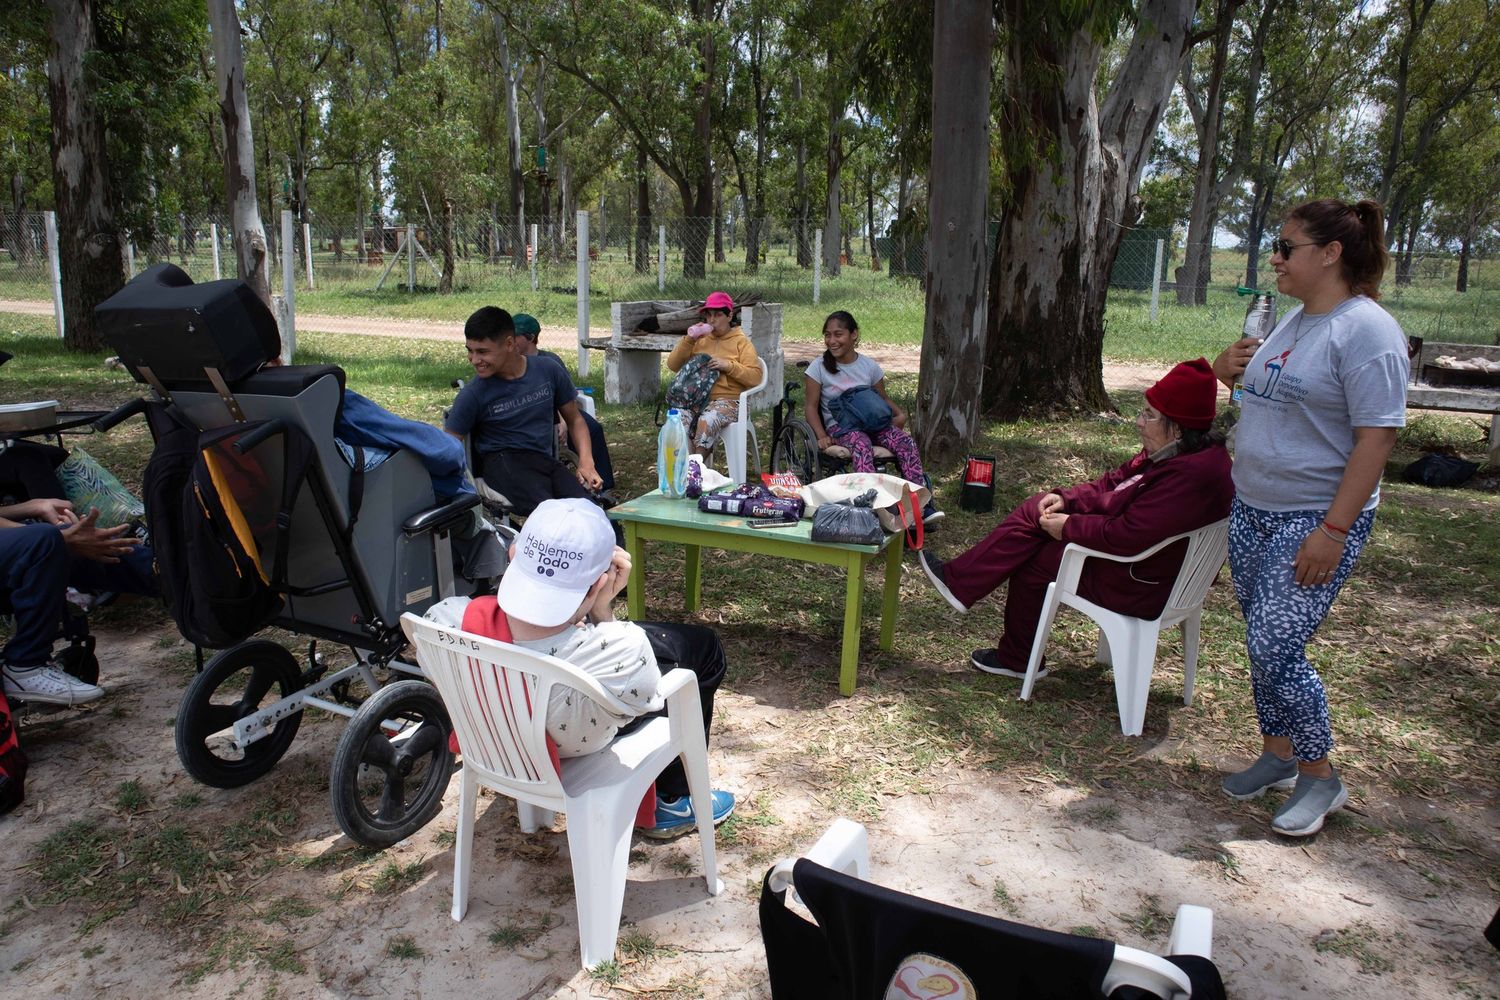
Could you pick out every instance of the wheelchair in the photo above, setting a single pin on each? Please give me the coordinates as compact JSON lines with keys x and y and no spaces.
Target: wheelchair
{"x":794,"y":446}
{"x":363,"y":547}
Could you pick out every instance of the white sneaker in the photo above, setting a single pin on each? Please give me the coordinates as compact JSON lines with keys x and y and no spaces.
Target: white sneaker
{"x":48,"y":685}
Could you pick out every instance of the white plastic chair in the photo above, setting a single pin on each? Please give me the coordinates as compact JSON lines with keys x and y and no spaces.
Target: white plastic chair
{"x":739,"y":437}
{"x":845,"y":848}
{"x":491,"y":689}
{"x":1127,"y":643}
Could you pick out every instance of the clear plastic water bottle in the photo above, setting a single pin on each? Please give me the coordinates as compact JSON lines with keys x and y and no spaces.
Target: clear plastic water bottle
{"x":671,"y":456}
{"x":1260,"y":320}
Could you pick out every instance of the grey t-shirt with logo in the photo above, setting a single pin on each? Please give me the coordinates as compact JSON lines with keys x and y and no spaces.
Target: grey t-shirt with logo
{"x":1314,"y":380}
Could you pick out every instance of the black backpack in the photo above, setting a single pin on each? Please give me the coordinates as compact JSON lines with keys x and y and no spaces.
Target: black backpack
{"x":215,"y":515}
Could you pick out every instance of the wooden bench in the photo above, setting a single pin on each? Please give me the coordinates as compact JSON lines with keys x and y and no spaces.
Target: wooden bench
{"x":1455,"y":398}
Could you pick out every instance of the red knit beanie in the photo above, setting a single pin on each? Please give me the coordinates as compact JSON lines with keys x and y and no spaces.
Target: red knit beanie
{"x":1186,"y":395}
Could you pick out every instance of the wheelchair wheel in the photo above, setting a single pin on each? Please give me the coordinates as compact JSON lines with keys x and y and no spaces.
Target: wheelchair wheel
{"x":796,"y":450}
{"x":231,"y":686}
{"x":392,"y":765}
{"x":79,"y":661}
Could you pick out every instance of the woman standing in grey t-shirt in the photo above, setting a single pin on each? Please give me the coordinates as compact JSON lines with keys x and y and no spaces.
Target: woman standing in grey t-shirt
{"x":1323,"y":398}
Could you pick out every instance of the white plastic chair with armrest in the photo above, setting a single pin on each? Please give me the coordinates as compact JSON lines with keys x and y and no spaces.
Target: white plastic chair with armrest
{"x":845,"y":847}
{"x":739,"y":437}
{"x":1128,"y":643}
{"x":496,"y":695}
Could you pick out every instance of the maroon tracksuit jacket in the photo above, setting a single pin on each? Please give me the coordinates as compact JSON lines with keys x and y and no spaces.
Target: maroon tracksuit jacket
{"x":1123,"y":512}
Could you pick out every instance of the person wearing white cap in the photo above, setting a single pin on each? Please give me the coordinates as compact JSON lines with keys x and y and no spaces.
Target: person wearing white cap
{"x":557,"y":592}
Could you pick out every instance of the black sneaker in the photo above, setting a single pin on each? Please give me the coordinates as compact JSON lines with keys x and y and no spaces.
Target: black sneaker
{"x":931,"y":515}
{"x":933,"y":567}
{"x":988,"y":660}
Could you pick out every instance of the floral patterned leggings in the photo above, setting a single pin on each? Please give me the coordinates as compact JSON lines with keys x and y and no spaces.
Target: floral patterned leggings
{"x":1280,"y":618}
{"x":862,"y":449}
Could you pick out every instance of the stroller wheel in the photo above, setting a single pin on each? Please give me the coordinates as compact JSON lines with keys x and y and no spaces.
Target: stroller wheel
{"x":392,"y":765}
{"x":79,"y":661}
{"x":231,"y":686}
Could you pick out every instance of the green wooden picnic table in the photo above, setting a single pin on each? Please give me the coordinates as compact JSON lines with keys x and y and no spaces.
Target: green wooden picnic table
{"x":655,"y":517}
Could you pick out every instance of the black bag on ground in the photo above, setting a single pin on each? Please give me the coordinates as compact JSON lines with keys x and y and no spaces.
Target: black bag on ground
{"x":215,"y":515}
{"x":1438,"y":469}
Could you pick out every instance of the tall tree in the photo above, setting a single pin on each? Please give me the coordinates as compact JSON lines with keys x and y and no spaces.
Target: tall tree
{"x":1072,"y":170}
{"x":249,"y":235}
{"x":510,"y":72}
{"x":89,"y":245}
{"x":953,"y":335}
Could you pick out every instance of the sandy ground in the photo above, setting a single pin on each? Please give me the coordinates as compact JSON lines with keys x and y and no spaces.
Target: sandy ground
{"x":1063,"y":858}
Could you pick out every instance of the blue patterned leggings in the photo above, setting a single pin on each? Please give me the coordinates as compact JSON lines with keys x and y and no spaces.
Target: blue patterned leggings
{"x":1280,"y":618}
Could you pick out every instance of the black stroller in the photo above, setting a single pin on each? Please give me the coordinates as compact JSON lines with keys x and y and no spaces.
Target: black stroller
{"x":362,"y":546}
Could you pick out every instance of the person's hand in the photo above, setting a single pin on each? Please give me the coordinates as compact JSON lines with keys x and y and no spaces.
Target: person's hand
{"x":1051,"y":503}
{"x":609,"y":585}
{"x":1052,"y":524}
{"x":1232,"y":361}
{"x":1316,"y":559}
{"x":105,"y":545}
{"x":720,"y":364}
{"x":824,"y":442}
{"x":588,"y":478}
{"x":49,"y":511}
{"x":898,"y":418}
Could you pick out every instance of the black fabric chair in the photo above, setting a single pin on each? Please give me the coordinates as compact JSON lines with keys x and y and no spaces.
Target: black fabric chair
{"x":870,"y":942}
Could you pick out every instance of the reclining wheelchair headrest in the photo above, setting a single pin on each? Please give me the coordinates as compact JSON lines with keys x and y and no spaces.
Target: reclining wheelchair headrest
{"x":162,"y":321}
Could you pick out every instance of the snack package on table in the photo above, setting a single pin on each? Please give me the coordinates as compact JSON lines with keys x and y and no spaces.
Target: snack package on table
{"x":748,"y":500}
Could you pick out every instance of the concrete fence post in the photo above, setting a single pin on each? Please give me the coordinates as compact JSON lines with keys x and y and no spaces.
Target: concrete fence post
{"x":583,"y":294}
{"x":1156,"y":278}
{"x":288,"y":287}
{"x":817,"y":265}
{"x":213,"y":234}
{"x":661,"y":258}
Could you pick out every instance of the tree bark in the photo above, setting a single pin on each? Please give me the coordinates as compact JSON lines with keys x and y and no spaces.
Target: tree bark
{"x":93,"y":258}
{"x":804,"y":250}
{"x":513,"y":141}
{"x":870,"y":218}
{"x":642,"y":213}
{"x":832,"y":217}
{"x":948,"y":380}
{"x":1046,"y":312}
{"x":1193,"y":275}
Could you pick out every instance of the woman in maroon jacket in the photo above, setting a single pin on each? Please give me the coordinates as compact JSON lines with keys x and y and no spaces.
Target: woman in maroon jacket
{"x":1177,"y":483}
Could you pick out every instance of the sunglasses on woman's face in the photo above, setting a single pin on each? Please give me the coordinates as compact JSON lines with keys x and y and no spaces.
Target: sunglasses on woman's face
{"x":1284,"y":247}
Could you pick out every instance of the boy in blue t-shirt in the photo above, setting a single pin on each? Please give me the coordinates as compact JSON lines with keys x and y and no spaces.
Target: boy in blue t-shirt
{"x":509,"y":408}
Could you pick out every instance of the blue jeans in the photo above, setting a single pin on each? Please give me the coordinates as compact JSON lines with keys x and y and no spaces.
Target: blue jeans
{"x":37,"y":570}
{"x":1281,"y":616}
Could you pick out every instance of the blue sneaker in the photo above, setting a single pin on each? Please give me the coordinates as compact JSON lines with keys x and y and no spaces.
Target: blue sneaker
{"x":674,"y":817}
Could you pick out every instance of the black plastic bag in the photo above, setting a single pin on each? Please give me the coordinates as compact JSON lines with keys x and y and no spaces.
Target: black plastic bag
{"x":1437,"y":469}
{"x":852,"y":522}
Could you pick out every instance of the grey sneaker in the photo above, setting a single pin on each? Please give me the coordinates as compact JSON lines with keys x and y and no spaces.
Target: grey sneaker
{"x":48,"y":685}
{"x":1302,"y":814}
{"x":934,"y":568}
{"x":1270,"y":771}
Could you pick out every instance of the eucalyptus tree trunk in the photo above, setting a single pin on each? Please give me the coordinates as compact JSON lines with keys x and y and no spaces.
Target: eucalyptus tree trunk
{"x":1208,"y":115}
{"x":804,"y":250}
{"x":835,"y":160}
{"x":870,"y":218}
{"x":1063,"y":222}
{"x":513,"y":141}
{"x":93,"y":259}
{"x":642,"y":213}
{"x":249,"y":233}
{"x":948,"y":381}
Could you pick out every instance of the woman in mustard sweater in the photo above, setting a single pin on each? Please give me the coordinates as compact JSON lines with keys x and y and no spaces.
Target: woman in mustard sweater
{"x":734,"y":359}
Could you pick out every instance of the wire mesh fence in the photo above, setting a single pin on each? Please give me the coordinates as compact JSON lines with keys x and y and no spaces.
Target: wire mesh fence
{"x":395,"y":269}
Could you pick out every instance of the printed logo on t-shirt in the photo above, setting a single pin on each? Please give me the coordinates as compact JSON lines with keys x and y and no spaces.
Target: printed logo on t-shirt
{"x":921,"y":976}
{"x":1274,"y":382}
